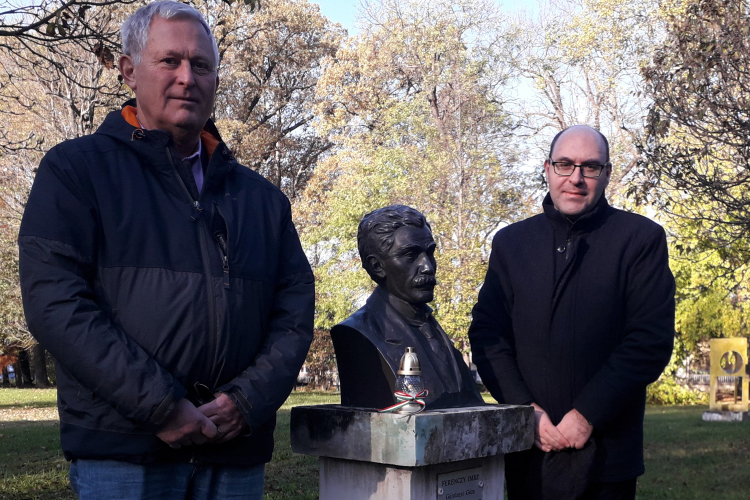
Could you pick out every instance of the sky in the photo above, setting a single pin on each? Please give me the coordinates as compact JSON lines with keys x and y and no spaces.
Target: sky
{"x":340,"y":11}
{"x":344,"y":12}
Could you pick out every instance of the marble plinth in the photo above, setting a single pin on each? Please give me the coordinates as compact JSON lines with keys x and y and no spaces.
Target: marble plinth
{"x":372,"y":456}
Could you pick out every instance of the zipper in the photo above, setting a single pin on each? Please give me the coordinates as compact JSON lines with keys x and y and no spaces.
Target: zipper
{"x":222,"y":239}
{"x":202,"y":238}
{"x":567,"y":238}
{"x":224,"y":258}
{"x":569,"y":256}
{"x":196,"y":204}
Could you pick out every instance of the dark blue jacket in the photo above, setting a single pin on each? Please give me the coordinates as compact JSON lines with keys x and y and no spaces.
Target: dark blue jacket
{"x":579,"y":316}
{"x":142,"y":289}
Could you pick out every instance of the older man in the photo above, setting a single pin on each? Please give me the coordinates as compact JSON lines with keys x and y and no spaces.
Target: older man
{"x":576,"y":317}
{"x":168,"y":282}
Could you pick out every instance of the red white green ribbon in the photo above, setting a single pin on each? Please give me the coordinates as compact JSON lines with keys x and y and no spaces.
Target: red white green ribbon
{"x":404,"y":399}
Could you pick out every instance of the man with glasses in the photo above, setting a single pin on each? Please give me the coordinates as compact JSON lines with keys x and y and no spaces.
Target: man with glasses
{"x":576,"y":317}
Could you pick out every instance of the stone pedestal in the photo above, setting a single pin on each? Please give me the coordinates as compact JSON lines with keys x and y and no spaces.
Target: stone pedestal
{"x":435,"y":455}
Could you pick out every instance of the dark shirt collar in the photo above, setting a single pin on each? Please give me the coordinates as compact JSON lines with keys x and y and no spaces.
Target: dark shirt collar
{"x":581,"y":222}
{"x":416,"y":314}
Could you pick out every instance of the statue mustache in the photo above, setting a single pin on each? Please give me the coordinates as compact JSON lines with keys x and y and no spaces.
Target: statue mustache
{"x":424,"y":280}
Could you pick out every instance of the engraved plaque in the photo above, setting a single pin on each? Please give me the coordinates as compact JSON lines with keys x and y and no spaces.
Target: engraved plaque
{"x":465,"y":484}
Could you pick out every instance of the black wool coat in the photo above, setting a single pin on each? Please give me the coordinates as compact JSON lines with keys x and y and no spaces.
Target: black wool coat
{"x":141,"y":288}
{"x":579,"y":315}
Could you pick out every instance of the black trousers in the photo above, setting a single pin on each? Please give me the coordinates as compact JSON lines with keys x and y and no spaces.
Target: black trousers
{"x":622,"y":490}
{"x":534,"y":475}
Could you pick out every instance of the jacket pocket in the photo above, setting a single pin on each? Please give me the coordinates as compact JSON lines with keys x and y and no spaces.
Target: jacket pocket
{"x":84,"y":393}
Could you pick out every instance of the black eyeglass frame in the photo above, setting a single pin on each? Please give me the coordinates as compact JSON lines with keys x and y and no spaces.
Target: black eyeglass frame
{"x":554,"y":168}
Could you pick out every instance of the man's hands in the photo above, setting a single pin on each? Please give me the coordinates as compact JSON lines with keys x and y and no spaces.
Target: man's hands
{"x":186,"y":425}
{"x":214,"y":422}
{"x":573,"y":431}
{"x":575,"y":428}
{"x":226,"y":416}
{"x":547,"y":437}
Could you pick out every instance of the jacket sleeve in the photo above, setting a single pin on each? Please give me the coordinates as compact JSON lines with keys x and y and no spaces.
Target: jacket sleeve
{"x":648,"y":338}
{"x":492,"y":343}
{"x":264,"y":386}
{"x":57,"y":260}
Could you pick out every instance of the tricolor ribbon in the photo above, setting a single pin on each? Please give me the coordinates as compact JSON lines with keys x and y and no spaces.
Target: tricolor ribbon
{"x":404,"y":399}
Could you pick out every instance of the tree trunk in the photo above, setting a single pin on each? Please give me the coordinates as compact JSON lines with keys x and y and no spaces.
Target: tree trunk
{"x":40,"y":365}
{"x":17,"y":374}
{"x":6,"y":380}
{"x":25,"y":366}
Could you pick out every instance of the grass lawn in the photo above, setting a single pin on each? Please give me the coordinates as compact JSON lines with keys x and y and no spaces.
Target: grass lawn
{"x":31,"y":462}
{"x":686,"y":458}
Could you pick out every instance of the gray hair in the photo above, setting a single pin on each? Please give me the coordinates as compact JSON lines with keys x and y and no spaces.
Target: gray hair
{"x":135,"y":29}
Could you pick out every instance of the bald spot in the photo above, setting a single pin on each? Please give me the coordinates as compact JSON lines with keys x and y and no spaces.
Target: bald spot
{"x":582,"y":130}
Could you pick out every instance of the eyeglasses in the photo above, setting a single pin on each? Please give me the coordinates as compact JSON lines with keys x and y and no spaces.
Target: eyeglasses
{"x":566,"y":169}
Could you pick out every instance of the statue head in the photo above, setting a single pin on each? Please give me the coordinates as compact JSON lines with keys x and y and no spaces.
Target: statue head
{"x":397,"y":251}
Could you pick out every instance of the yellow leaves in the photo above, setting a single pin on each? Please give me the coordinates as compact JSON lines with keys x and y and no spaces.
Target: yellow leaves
{"x":670,"y":9}
{"x":275,"y":121}
{"x":415,"y":122}
{"x":605,"y":28}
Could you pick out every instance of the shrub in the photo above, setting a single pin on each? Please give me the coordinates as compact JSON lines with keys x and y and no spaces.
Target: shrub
{"x":666,"y":391}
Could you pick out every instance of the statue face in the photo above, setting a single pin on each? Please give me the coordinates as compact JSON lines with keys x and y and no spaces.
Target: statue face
{"x":409,"y":268}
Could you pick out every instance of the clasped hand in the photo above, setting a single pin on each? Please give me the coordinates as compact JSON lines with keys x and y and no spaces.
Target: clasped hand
{"x":216,"y":422}
{"x":573,"y":431}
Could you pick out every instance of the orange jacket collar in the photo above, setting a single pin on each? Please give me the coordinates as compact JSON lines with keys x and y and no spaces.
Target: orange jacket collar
{"x":209,"y":141}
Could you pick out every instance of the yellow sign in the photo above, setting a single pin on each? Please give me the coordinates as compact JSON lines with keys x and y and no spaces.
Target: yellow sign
{"x":729,"y":359}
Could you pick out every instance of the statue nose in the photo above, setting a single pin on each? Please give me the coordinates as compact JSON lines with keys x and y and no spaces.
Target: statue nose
{"x":426,"y":266}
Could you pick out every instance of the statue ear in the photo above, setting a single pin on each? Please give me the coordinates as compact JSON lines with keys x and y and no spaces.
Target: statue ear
{"x":375,"y":266}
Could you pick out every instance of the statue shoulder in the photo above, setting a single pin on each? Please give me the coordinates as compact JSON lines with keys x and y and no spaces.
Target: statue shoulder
{"x":362,"y":321}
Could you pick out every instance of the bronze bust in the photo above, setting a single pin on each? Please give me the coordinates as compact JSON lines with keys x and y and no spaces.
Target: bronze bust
{"x":397,"y":250}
